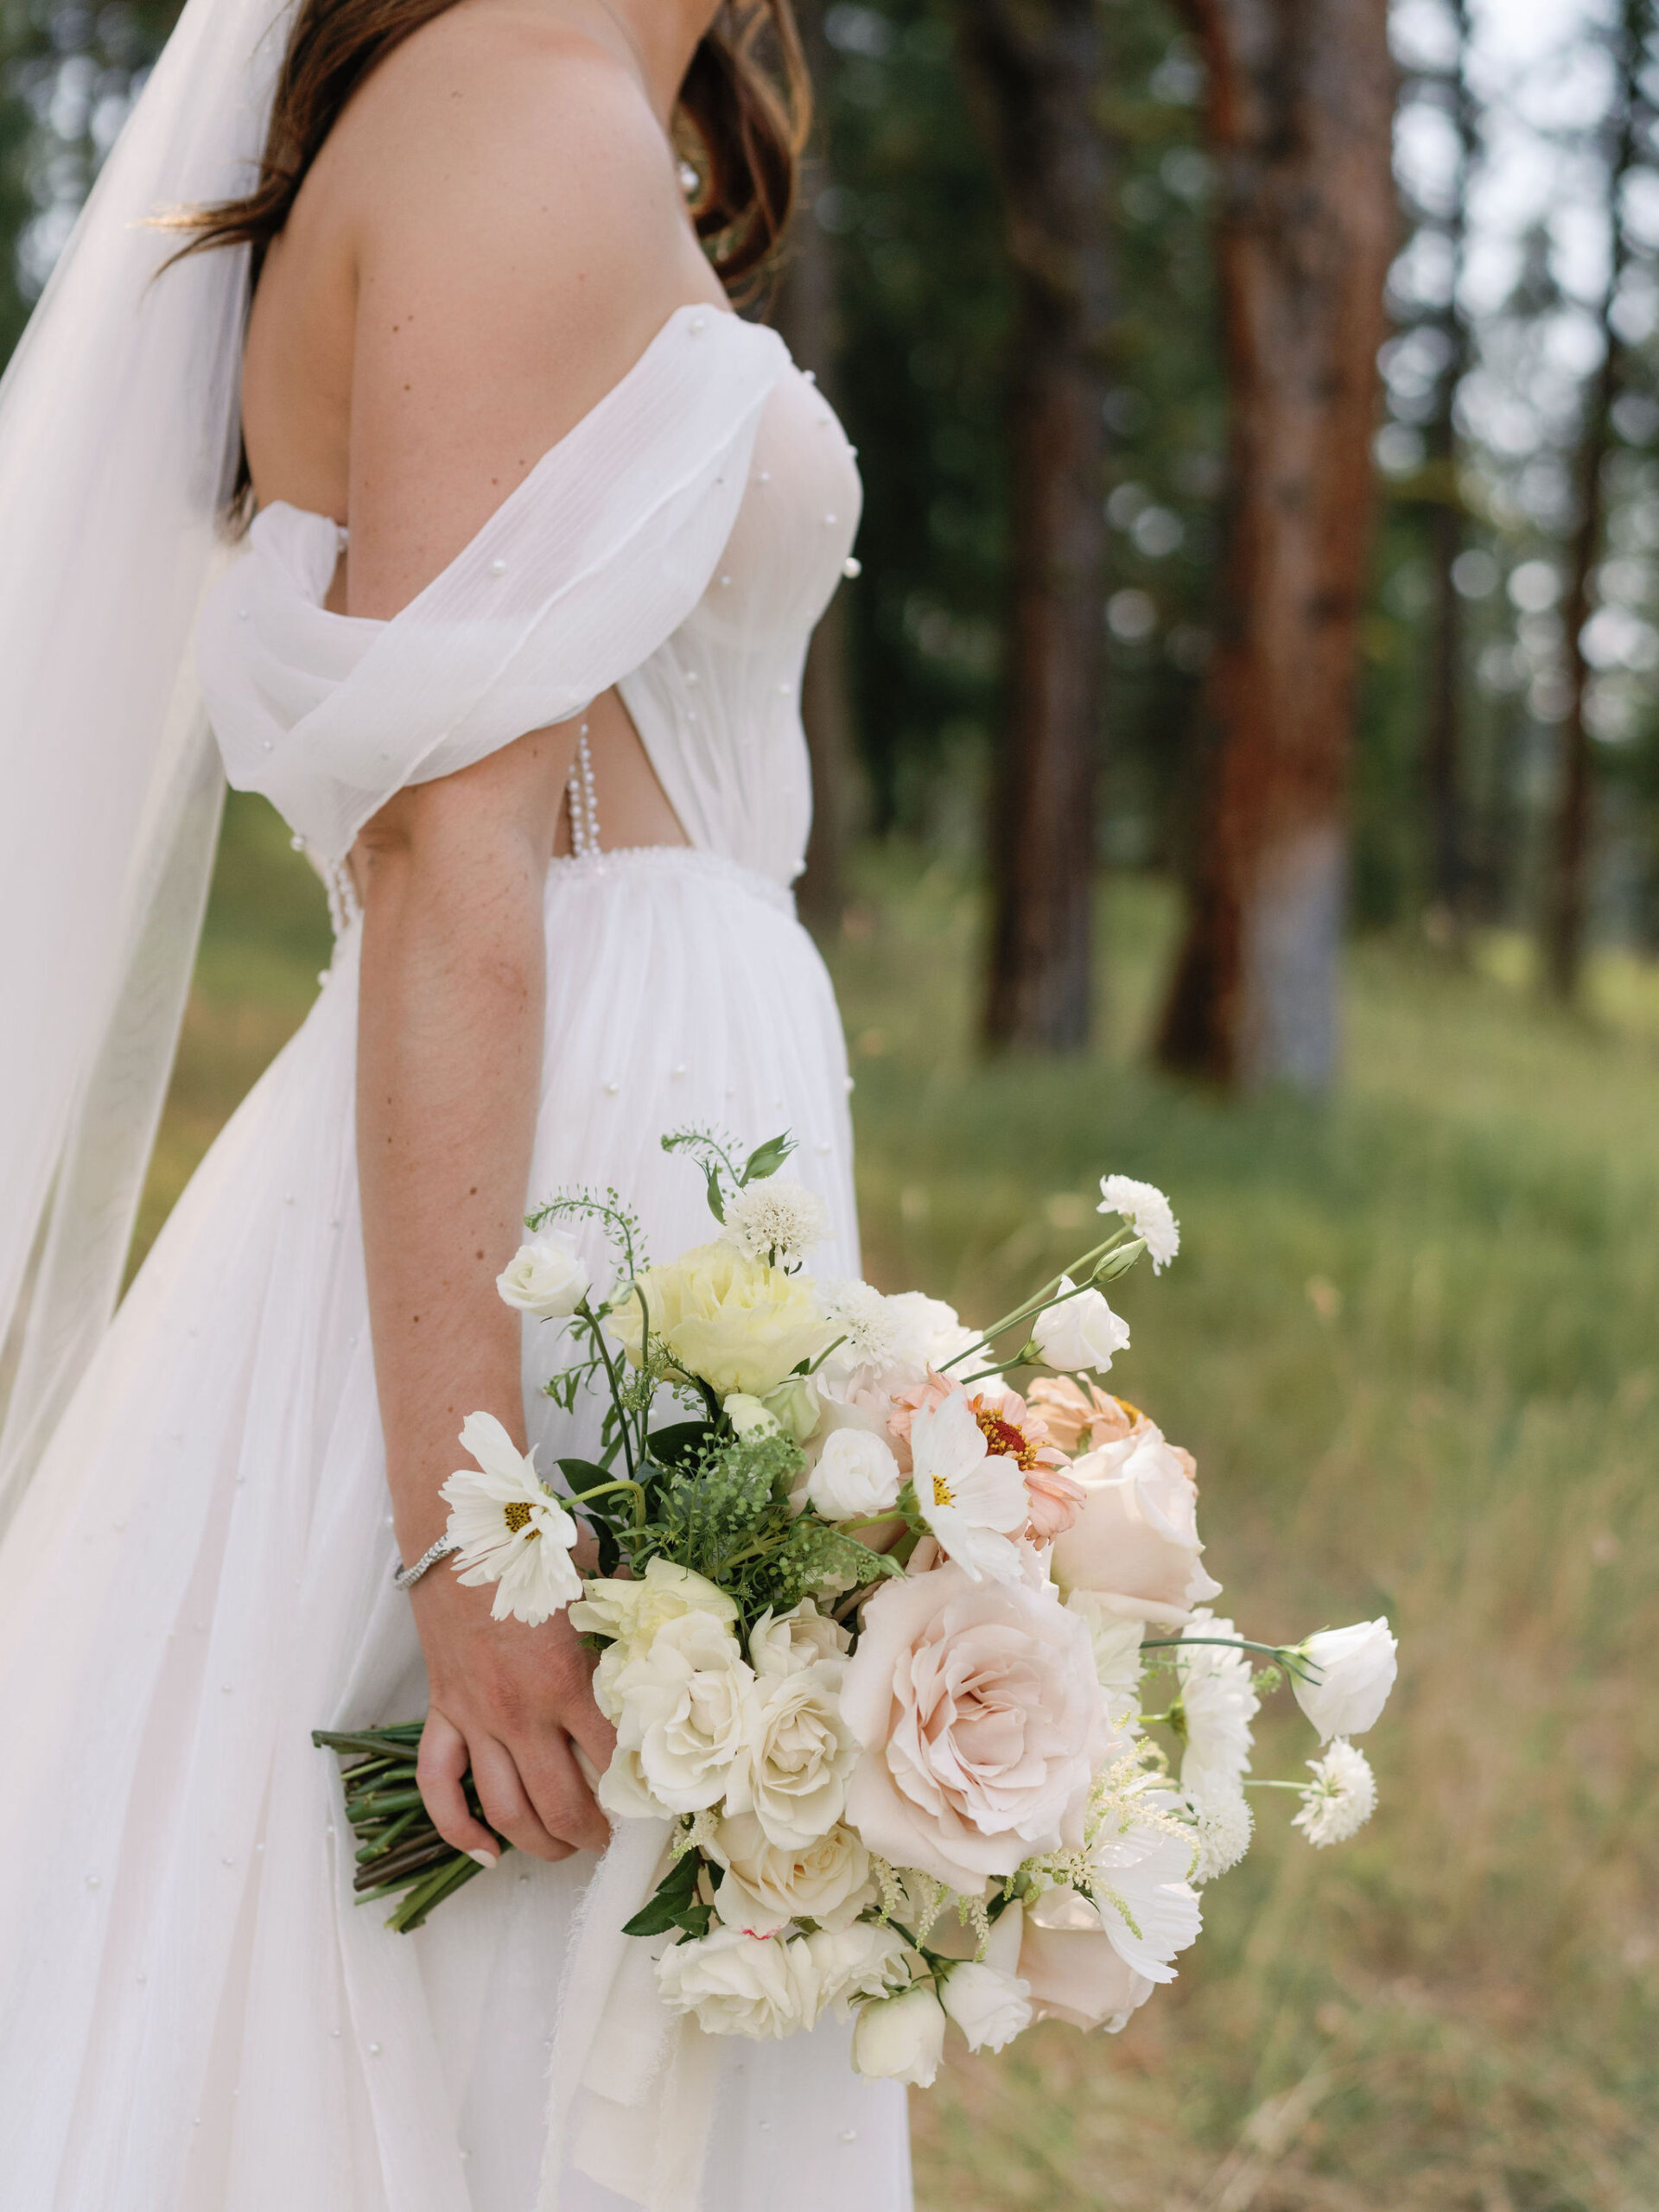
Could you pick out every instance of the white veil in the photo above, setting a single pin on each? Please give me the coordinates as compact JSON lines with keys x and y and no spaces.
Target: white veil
{"x":118,"y":438}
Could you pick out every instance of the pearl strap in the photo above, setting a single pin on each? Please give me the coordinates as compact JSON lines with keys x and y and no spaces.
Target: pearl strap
{"x":578,"y":797}
{"x":405,"y":1578}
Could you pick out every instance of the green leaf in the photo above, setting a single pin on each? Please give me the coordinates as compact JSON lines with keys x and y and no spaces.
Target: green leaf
{"x":766,"y":1159}
{"x":671,"y":1901}
{"x":583,"y":1475}
{"x":680,"y":1442}
{"x":716,"y":1202}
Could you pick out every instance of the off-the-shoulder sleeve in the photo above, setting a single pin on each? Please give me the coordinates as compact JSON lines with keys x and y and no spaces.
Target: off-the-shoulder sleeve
{"x":596,"y":558}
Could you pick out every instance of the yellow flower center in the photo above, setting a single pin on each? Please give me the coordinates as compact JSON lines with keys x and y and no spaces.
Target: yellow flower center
{"x":1004,"y":1439}
{"x":516,"y":1516}
{"x":943,"y":1494}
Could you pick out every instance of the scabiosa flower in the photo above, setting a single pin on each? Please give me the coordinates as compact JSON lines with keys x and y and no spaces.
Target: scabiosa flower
{"x":874,"y":1331}
{"x":510,"y":1529}
{"x":1341,"y":1797}
{"x":1222,"y":1825}
{"x":777,"y":1220}
{"x":1144,"y":1206}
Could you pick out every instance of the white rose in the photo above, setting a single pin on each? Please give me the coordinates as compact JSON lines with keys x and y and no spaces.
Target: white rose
{"x":797,"y":1638}
{"x":739,"y":1985}
{"x":547,"y":1277}
{"x":685,"y":1712}
{"x":900,"y":2039}
{"x":990,"y":2006}
{"x":631,"y":1611}
{"x":766,"y":1884}
{"x":1083,"y":1332}
{"x":798,"y":1754}
{"x":857,"y":1961}
{"x":1136,"y":1539}
{"x":856,"y":1476}
{"x":749,"y":1417}
{"x":1356,"y":1670}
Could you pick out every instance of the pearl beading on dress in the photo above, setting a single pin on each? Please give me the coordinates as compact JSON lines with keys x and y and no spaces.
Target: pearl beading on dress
{"x":578,"y":796}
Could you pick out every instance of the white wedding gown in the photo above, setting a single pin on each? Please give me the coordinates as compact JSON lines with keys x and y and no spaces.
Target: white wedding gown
{"x":194,"y":2016}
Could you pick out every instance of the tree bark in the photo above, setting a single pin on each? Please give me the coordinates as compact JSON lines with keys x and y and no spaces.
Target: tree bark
{"x":1299,"y":109}
{"x":807,"y":318}
{"x":1443,"y":766}
{"x":1567,"y":898}
{"x":1036,"y":69}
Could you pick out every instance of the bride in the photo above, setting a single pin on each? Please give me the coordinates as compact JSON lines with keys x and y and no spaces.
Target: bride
{"x":513,"y":640}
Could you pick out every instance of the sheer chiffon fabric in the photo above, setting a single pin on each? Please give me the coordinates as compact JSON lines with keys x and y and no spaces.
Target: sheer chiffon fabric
{"x":196,"y":2017}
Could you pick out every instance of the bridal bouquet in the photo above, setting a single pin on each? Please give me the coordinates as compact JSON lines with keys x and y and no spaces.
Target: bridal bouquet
{"x":922,"y":1674}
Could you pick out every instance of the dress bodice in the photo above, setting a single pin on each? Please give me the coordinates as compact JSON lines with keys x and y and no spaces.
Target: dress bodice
{"x":680,"y":543}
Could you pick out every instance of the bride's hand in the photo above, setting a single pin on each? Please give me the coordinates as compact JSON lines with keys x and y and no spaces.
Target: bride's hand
{"x":512,"y":1703}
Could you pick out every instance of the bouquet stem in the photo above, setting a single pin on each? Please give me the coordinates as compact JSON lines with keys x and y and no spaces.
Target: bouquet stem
{"x":400,"y":1854}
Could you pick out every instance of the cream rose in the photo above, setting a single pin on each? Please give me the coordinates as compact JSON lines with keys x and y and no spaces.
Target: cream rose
{"x":900,"y":2039}
{"x":547,"y":1277}
{"x":685,"y":1716}
{"x":766,"y":1884}
{"x":739,"y":1985}
{"x":797,"y":1638}
{"x":981,"y":1721}
{"x":1136,"y":1539}
{"x":858,"y":1961}
{"x":798,"y":1752}
{"x":735,"y":1323}
{"x":630,"y":1612}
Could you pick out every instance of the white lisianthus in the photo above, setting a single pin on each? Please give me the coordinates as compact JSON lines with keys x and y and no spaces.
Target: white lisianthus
{"x":990,"y":2006}
{"x":1218,"y":1702}
{"x":739,"y":1985}
{"x":1222,"y":1827}
{"x":974,"y":1501}
{"x":1080,"y":1331}
{"x":794,"y":1405}
{"x":511,"y":1530}
{"x":547,"y":1277}
{"x":1357,"y":1667}
{"x":1146,"y":1209}
{"x":797,"y":1638}
{"x":1341,"y":1797}
{"x":930,"y":1333}
{"x":749,"y":1417}
{"x":856,"y":1476}
{"x":900,"y":2039}
{"x":860,"y":1961}
{"x":775,"y":1219}
{"x":798,"y":1754}
{"x":685,"y":1715}
{"x":766,"y":1885}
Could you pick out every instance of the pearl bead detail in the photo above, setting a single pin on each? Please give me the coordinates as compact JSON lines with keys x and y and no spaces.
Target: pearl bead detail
{"x":497,"y":568}
{"x":851,"y":567}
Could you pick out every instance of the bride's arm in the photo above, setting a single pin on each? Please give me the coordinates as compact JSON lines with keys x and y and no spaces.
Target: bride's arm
{"x":510,"y":269}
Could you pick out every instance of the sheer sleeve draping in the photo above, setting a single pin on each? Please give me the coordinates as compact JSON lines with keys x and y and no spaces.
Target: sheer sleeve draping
{"x":596,"y":558}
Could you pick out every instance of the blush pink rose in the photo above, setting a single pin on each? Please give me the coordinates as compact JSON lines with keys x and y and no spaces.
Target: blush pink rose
{"x":980,"y":1722}
{"x":1135,"y":1542}
{"x":1075,"y":1976}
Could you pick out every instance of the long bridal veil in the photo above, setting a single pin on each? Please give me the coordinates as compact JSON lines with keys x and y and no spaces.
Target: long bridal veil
{"x":118,"y":431}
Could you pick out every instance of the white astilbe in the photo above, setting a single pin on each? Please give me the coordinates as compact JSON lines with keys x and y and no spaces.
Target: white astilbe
{"x":1341,"y":1797}
{"x":1222,"y":1827}
{"x":1218,"y":1702}
{"x":775,"y":1219}
{"x":874,"y":1331}
{"x":1146,"y":1209}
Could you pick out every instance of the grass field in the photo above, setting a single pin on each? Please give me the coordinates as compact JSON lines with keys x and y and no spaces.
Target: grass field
{"x":1413,"y":1342}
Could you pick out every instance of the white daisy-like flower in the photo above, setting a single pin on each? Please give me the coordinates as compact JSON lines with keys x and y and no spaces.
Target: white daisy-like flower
{"x":511,"y":1530}
{"x":1223,"y":1825}
{"x":973,"y":1500}
{"x":1218,"y":1702}
{"x":775,"y":1219}
{"x":1341,"y":1797}
{"x":1146,"y":1209}
{"x":874,"y":1332}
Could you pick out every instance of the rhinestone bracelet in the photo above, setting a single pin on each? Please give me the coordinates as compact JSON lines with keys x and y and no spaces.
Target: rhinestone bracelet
{"x":405,"y":1578}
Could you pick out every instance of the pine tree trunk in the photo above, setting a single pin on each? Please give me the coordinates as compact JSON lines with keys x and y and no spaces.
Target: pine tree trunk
{"x":807,"y":318}
{"x":1036,"y":69}
{"x":1299,"y":110}
{"x":1567,"y":898}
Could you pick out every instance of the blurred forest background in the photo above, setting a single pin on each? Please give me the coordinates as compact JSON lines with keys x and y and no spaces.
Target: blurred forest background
{"x":1238,"y":764}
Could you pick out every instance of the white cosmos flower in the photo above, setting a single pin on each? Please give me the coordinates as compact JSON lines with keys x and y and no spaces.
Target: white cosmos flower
{"x":1219,"y":1701}
{"x":777,"y":1220}
{"x":973,"y":1500}
{"x":511,"y":1530}
{"x":1223,"y":1826}
{"x":1080,"y":1331}
{"x":1144,"y":1206}
{"x":547,"y":1277}
{"x":1356,"y":1668}
{"x":1341,"y":1797}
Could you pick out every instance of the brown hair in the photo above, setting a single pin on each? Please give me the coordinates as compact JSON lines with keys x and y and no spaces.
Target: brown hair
{"x":742,"y":117}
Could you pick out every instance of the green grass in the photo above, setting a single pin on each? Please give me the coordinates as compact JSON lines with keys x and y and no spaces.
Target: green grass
{"x":1412,"y":1341}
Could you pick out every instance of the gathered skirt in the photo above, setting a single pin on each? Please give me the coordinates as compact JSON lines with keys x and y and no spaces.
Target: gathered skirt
{"x":195,"y":2015}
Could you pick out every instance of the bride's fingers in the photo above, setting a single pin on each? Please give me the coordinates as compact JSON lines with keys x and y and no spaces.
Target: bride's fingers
{"x":589,"y":1729}
{"x":508,"y":1806}
{"x":562,"y":1798}
{"x":438,"y":1770}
